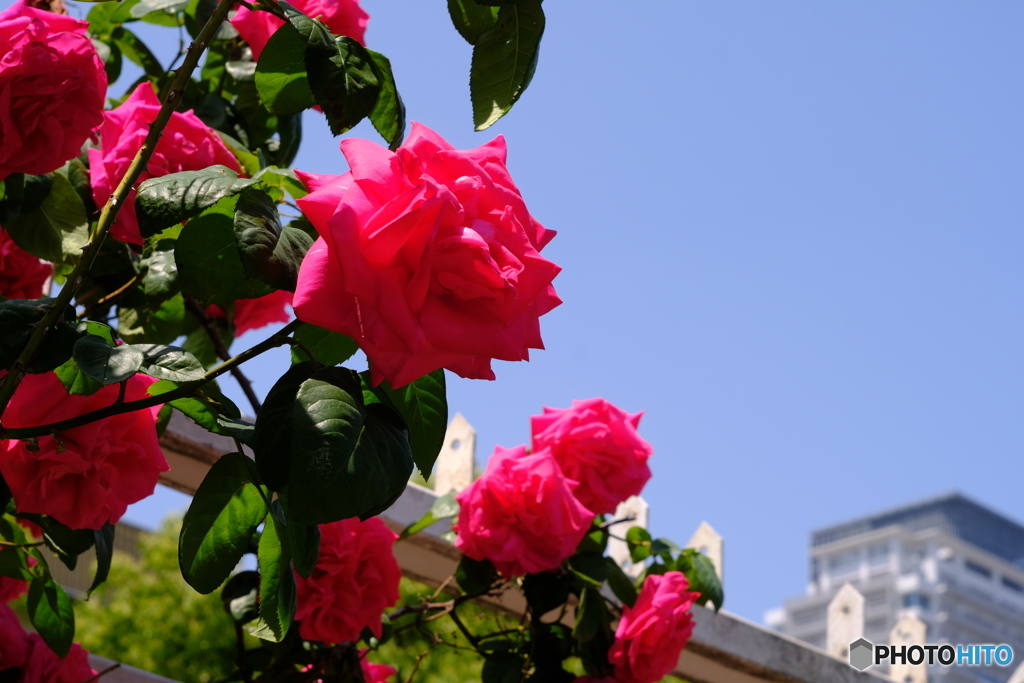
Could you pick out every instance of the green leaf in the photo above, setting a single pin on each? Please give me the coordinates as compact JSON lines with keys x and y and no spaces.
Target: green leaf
{"x":423,"y":405}
{"x":160,"y":282}
{"x":281,"y":73}
{"x":388,"y":115}
{"x":620,"y":584}
{"x":703,"y":579}
{"x":219,"y":524}
{"x":104,"y":363}
{"x":239,"y":429}
{"x":207,"y":407}
{"x":104,"y":542}
{"x":105,"y":16}
{"x":546,"y":591}
{"x":133,"y":48}
{"x":504,"y":60}
{"x":76,"y":382}
{"x":158,"y":325}
{"x":303,"y":539}
{"x":502,"y":667}
{"x":593,"y":633}
{"x":144,"y":7}
{"x":169,"y":362}
{"x":240,"y":596}
{"x":444,"y":507}
{"x":277,"y":583}
{"x":471,"y":19}
{"x":209,"y":264}
{"x":49,"y":609}
{"x":475,"y":577}
{"x":596,"y":539}
{"x":58,"y":229}
{"x":315,"y":436}
{"x":67,"y":544}
{"x":589,"y":567}
{"x":638,"y":540}
{"x":18,"y":318}
{"x":170,"y":199}
{"x":14,"y":564}
{"x":269,"y":252}
{"x":329,"y":348}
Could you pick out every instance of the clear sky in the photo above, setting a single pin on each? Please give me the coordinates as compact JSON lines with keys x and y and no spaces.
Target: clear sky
{"x":790,"y":232}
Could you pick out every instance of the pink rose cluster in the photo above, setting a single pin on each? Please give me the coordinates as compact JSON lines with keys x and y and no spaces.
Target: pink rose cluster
{"x":529,"y":510}
{"x":343,"y":17}
{"x":86,"y":476}
{"x":355,"y":579}
{"x":427,"y":258}
{"x":53,"y":87}
{"x":187,"y":144}
{"x":37,"y":661}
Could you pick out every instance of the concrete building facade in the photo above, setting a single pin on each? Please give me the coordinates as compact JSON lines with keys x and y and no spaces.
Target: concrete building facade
{"x":955,"y":564}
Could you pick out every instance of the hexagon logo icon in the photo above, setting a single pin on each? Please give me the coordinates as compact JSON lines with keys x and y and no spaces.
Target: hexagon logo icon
{"x":861,"y":652}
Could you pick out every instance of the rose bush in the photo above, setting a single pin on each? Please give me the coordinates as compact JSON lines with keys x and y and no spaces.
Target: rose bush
{"x":354,"y":581}
{"x":52,"y":89}
{"x":343,"y":17}
{"x":427,"y":258}
{"x":86,"y":476}
{"x":597,"y":445}
{"x":653,"y":632}
{"x":21,"y":274}
{"x":187,"y":144}
{"x":521,"y":514}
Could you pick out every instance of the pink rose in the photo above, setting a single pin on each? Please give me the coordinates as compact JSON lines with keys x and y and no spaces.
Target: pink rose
{"x":427,"y":258}
{"x":597,"y":445}
{"x":86,"y":476}
{"x":52,"y":89}
{"x":375,"y":673}
{"x":11,"y":588}
{"x":252,"y":314}
{"x":14,"y":644}
{"x":355,"y":579}
{"x":43,"y":666}
{"x":187,"y":144}
{"x":343,"y":17}
{"x":21,"y":274}
{"x":653,"y":632}
{"x":521,"y":514}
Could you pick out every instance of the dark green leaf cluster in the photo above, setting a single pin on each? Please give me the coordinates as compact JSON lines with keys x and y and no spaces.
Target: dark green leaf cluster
{"x":667,"y":556}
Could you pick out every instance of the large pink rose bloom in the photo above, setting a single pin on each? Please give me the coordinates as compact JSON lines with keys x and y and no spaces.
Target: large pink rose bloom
{"x":427,"y":257}
{"x":653,"y":632}
{"x":187,"y":144}
{"x":21,"y":274}
{"x":14,"y":643}
{"x":43,"y":666}
{"x":521,"y":514}
{"x":343,"y":17}
{"x":52,"y":89}
{"x":355,"y":579}
{"x":86,"y":476}
{"x":596,"y":444}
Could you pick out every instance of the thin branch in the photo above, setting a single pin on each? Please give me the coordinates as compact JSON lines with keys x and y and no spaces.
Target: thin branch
{"x":416,"y":666}
{"x":473,"y":640}
{"x":271,"y":342}
{"x":113,"y":296}
{"x":118,"y":199}
{"x":222,"y":350}
{"x":102,"y":673}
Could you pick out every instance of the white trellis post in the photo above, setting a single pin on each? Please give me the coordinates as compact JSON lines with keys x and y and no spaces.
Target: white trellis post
{"x":709,"y":542}
{"x":909,"y":630}
{"x":454,"y":469}
{"x":637,"y":508}
{"x":845,"y":622}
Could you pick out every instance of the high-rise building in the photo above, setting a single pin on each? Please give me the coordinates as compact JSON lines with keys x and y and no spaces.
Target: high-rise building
{"x":955,"y":564}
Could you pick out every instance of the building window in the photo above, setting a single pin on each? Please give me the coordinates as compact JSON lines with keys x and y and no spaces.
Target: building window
{"x":978,"y":569}
{"x":1013,"y":585}
{"x":915,"y":600}
{"x":878,"y":554}
{"x":845,"y":563}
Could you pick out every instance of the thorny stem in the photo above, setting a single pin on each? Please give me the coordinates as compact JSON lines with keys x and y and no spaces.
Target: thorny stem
{"x":114,"y":204}
{"x":271,"y":342}
{"x":222,"y":350}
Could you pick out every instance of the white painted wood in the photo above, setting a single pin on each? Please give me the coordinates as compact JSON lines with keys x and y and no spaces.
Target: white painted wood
{"x":845,"y":622}
{"x":454,"y":468}
{"x":709,"y":542}
{"x":637,"y":508}
{"x":909,"y":630}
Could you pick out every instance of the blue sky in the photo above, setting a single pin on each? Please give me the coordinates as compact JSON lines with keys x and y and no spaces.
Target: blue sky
{"x":790,"y":232}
